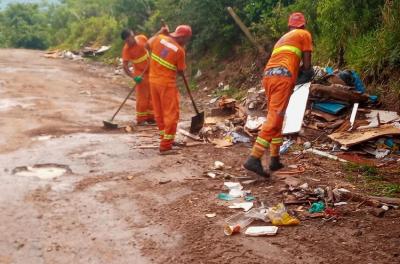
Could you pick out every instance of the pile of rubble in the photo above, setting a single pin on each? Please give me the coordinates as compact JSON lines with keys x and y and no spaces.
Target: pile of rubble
{"x":335,"y":107}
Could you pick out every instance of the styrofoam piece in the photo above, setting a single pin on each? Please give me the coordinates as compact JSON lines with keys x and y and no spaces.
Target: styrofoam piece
{"x":261,"y":231}
{"x":296,"y":108}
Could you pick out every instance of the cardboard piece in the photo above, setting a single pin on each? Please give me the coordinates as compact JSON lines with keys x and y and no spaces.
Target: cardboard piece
{"x":348,"y":139}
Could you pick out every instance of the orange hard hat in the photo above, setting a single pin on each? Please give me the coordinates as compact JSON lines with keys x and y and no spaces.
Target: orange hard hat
{"x":182,"y":31}
{"x":297,"y":20}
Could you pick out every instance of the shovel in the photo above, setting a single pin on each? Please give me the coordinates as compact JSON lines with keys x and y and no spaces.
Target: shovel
{"x":109,"y":123}
{"x":198,"y":119}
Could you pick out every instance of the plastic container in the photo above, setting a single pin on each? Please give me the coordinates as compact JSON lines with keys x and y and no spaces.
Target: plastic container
{"x":237,"y":223}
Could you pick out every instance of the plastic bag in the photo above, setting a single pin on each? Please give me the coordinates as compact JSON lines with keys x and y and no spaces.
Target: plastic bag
{"x":279,"y":216}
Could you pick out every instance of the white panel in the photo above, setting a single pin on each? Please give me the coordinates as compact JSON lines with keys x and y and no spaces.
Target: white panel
{"x":295,"y":111}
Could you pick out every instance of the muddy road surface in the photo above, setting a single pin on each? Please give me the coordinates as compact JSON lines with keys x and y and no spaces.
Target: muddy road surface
{"x":71,"y":192}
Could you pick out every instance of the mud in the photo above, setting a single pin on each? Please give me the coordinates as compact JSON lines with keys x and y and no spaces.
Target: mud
{"x":105,"y":204}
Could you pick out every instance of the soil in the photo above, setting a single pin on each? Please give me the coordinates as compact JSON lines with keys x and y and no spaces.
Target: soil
{"x":117,"y":203}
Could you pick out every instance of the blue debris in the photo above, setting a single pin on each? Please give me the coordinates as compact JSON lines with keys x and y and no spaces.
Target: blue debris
{"x":358,"y":84}
{"x":331,"y":108}
{"x":373,"y":98}
{"x":285,"y":147}
{"x":225,"y":197}
{"x":329,"y":70}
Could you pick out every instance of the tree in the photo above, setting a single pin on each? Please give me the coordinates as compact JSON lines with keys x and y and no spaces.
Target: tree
{"x":24,"y":26}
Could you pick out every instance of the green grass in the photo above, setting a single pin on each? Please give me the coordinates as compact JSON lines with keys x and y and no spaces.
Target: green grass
{"x":371,"y":180}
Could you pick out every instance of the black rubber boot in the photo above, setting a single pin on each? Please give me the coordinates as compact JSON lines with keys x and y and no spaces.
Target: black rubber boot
{"x":254,"y":164}
{"x":275,"y":164}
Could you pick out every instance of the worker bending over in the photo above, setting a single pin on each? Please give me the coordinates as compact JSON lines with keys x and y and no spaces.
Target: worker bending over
{"x":280,"y":77}
{"x":167,"y":60}
{"x":136,"y":54}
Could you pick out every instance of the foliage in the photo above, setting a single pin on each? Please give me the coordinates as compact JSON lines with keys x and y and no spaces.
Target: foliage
{"x":362,"y":34}
{"x":24,"y":26}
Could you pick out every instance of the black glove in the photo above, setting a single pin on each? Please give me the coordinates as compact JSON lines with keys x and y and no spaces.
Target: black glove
{"x":305,"y":76}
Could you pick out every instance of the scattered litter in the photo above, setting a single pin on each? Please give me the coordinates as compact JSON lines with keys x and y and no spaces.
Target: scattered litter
{"x":211,"y":215}
{"x":353,"y":115}
{"x":238,"y":138}
{"x":330,"y":108}
{"x":212,"y":175}
{"x":285,"y":146}
{"x":307,"y":145}
{"x":279,"y":216}
{"x":254,"y":123}
{"x":260,"y":213}
{"x":218,"y":165}
{"x":236,"y":193}
{"x":233,"y":185}
{"x":128,"y":129}
{"x":378,"y":117}
{"x":261,"y":231}
{"x":355,"y":137}
{"x":237,"y":223}
{"x":340,"y":204}
{"x":245,"y":206}
{"x":222,"y":143}
{"x":249,"y":182}
{"x":249,"y":198}
{"x":225,"y":197}
{"x":304,"y":186}
{"x":317,"y":207}
{"x":324,"y":154}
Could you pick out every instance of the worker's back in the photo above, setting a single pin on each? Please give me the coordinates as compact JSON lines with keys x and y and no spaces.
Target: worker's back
{"x":167,"y":58}
{"x":288,"y":51}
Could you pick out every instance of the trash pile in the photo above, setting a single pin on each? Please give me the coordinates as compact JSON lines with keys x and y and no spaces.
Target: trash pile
{"x":335,"y":106}
{"x":77,"y":55}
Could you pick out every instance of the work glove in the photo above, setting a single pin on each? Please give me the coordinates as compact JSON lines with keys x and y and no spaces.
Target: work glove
{"x":305,"y":76}
{"x":138,"y":79}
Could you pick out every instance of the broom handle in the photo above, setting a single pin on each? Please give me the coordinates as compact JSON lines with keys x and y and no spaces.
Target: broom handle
{"x":123,"y":103}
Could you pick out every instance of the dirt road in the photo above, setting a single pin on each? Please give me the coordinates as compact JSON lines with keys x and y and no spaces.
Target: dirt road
{"x":99,"y":199}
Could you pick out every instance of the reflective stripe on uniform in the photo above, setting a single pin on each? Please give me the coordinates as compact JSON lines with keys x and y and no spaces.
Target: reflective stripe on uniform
{"x":142,"y":113}
{"x":277,"y":141}
{"x":169,"y":137}
{"x":293,"y":49}
{"x":262,"y":142}
{"x":162,"y":133}
{"x":141,"y":59}
{"x":163,"y":62}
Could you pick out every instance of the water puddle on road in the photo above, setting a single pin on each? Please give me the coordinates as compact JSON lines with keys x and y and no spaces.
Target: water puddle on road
{"x":7,"y":104}
{"x":42,"y":171}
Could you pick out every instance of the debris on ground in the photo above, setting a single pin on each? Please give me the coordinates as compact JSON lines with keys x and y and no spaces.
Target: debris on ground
{"x":261,"y":231}
{"x":76,"y":55}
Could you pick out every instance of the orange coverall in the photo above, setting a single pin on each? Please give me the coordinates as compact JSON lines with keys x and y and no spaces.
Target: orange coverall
{"x":167,"y":57}
{"x":139,"y":57}
{"x":287,"y":54}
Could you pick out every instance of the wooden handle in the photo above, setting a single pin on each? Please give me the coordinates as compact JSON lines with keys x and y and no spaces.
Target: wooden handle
{"x":245,"y":30}
{"x":190,"y":94}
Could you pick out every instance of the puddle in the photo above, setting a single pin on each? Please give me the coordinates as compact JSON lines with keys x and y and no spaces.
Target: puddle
{"x":42,"y":171}
{"x":6,"y":104}
{"x":44,"y":137}
{"x":22,"y":69}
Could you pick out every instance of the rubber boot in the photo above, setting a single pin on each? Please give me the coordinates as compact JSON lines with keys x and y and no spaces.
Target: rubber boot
{"x":275,"y":164}
{"x":254,"y":164}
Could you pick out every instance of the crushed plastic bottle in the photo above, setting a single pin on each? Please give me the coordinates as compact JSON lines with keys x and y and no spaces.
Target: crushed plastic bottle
{"x":237,"y":223}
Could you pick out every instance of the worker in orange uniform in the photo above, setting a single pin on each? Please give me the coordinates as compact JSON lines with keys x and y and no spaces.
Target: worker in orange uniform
{"x":135,"y":52}
{"x":280,"y":77}
{"x":167,"y":61}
